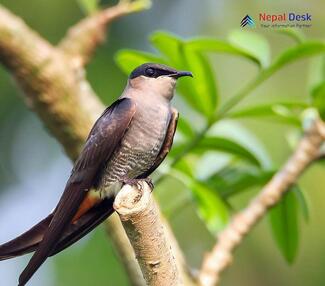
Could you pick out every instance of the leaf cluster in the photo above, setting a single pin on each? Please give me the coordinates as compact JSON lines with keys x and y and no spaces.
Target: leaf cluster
{"x":244,"y":168}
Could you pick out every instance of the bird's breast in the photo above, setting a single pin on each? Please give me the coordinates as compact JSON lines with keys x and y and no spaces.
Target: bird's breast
{"x":139,"y":147}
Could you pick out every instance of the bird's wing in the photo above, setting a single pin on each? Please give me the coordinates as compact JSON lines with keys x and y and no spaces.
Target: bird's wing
{"x":168,"y":142}
{"x":102,"y":141}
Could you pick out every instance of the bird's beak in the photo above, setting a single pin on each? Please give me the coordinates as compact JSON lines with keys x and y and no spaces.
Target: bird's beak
{"x":180,"y":74}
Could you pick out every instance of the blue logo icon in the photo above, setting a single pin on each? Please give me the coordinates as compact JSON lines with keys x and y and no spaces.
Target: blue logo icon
{"x":247,"y":21}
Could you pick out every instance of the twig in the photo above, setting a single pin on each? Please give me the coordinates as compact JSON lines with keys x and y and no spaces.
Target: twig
{"x":141,"y":220}
{"x":221,"y":255}
{"x":83,"y":38}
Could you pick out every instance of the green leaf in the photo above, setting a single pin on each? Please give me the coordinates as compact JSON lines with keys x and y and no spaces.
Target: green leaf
{"x":285,"y":112}
{"x":203,"y":84}
{"x":185,"y":127}
{"x":303,"y":205}
{"x":317,"y":72}
{"x":284,"y":225}
{"x":228,"y":146}
{"x":211,"y":208}
{"x":220,"y":144}
{"x":230,"y":180}
{"x":318,"y":86}
{"x":302,"y":50}
{"x":127,"y":60}
{"x":200,"y":92}
{"x":187,"y":89}
{"x":138,"y":5}
{"x":318,"y":95}
{"x":214,"y":45}
{"x":186,"y":167}
{"x":297,"y":52}
{"x":170,"y":46}
{"x":295,"y":34}
{"x":253,"y":44}
{"x":88,"y":6}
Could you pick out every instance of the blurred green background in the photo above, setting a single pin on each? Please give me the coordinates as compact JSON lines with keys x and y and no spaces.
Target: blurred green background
{"x":33,"y":167}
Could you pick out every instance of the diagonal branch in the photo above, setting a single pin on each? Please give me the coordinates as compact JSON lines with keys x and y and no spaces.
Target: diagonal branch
{"x":83,"y":38}
{"x":54,"y":89}
{"x":220,"y":256}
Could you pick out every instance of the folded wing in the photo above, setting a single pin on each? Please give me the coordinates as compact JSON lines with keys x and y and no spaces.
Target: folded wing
{"x":102,"y":141}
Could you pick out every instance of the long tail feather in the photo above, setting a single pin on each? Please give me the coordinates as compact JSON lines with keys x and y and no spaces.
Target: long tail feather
{"x":29,"y":241}
{"x":25,"y":243}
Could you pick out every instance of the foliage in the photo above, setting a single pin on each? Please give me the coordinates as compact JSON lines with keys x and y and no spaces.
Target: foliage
{"x":317,"y":87}
{"x":244,"y":169}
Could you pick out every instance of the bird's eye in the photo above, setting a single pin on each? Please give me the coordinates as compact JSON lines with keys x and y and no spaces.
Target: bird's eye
{"x":150,"y":72}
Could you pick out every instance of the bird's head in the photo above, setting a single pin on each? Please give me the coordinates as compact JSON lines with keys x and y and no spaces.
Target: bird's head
{"x":156,"y":78}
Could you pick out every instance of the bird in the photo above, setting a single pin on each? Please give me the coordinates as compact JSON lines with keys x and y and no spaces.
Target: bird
{"x":126,"y":144}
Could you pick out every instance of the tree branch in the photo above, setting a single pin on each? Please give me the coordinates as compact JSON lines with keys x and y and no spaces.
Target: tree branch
{"x":54,"y":89}
{"x":83,"y":38}
{"x":221,"y":255}
{"x":141,"y":220}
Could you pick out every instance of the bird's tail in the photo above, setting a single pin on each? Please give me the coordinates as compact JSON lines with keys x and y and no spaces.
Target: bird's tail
{"x":25,"y":243}
{"x":29,"y":241}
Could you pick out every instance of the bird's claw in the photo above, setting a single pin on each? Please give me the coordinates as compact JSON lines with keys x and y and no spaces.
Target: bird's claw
{"x":150,"y":183}
{"x":137,"y":182}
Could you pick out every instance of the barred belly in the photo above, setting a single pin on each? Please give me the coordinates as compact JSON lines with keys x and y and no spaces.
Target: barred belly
{"x":137,"y":153}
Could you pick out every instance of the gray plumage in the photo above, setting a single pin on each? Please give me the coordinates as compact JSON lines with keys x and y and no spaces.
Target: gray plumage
{"x":141,"y":143}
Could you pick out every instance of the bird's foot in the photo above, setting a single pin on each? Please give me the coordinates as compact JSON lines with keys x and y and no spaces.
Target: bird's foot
{"x":136,"y":182}
{"x":149,"y":181}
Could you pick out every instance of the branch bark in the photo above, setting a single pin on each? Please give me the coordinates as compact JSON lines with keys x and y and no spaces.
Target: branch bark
{"x":83,"y":38}
{"x":55,"y":87}
{"x":141,"y":220}
{"x":221,"y":255}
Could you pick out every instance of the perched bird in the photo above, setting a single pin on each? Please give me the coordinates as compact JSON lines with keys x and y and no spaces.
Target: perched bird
{"x":127,"y":143}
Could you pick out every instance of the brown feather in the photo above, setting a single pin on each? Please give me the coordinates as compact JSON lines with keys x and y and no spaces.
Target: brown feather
{"x":29,"y":241}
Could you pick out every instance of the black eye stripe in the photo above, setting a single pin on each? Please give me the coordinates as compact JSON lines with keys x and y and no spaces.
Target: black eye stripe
{"x":164,"y":72}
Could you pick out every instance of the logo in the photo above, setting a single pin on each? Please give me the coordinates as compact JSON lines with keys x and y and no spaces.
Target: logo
{"x":278,"y":20}
{"x":285,"y":20}
{"x":247,"y":20}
